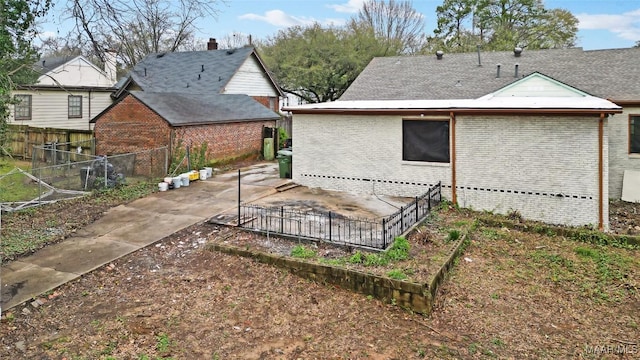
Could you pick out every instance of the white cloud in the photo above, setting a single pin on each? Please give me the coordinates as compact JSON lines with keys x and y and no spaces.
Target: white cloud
{"x":278,"y":18}
{"x":625,"y":26}
{"x":352,"y":6}
{"x":281,"y":19}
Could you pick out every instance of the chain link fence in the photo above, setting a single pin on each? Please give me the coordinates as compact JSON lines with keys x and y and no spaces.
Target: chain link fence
{"x":71,"y":174}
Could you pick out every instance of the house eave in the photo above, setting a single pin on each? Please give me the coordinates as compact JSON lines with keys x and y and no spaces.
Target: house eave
{"x":213,"y":122}
{"x":460,"y":111}
{"x":36,"y":87}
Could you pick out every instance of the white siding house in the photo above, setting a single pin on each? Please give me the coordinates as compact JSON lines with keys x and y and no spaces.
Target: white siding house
{"x":66,"y":96}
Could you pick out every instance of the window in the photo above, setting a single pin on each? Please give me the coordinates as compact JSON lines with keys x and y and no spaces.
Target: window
{"x":425,"y":140}
{"x":634,"y":134}
{"x":22,"y":108}
{"x":75,"y":106}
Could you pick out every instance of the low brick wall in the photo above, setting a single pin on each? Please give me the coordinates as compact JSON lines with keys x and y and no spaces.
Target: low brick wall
{"x":414,"y":296}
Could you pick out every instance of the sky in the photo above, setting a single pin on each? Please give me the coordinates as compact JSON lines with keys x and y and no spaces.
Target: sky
{"x":604,"y":24}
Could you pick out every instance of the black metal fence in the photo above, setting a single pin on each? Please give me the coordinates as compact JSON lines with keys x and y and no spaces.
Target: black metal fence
{"x":335,"y":228}
{"x":396,"y":224}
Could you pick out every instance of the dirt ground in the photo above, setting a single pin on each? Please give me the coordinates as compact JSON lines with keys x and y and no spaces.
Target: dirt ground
{"x":513,"y":295}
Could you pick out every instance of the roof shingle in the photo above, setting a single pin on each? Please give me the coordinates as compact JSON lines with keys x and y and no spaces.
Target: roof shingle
{"x":611,"y":74}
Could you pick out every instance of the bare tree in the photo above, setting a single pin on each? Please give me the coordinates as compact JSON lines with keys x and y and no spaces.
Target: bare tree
{"x":235,"y":40}
{"x":396,"y":24}
{"x":136,"y":28}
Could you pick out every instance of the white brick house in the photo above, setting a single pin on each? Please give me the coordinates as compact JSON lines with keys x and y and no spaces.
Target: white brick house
{"x":516,"y":149}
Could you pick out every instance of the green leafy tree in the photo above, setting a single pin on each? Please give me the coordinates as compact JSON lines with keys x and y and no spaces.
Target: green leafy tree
{"x":317,"y":63}
{"x":17,"y":55}
{"x":501,"y":25}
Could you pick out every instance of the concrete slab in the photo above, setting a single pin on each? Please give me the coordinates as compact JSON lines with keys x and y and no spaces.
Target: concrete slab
{"x":126,"y":228}
{"x":22,"y":281}
{"x":81,"y":255}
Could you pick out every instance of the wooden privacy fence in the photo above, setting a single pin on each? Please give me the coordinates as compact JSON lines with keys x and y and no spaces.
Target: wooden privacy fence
{"x":22,"y":139}
{"x":337,"y":229}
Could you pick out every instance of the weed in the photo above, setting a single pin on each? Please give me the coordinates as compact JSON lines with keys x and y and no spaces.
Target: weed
{"x":369,"y":297}
{"x":497,"y":342}
{"x":9,"y":318}
{"x":226,"y":288}
{"x":163,"y":343}
{"x":397,"y":274}
{"x":495,"y":296}
{"x":454,"y":234}
{"x":375,"y":260}
{"x":143,"y":357}
{"x":108,"y":350}
{"x":356,"y":258}
{"x":421,"y":353}
{"x":300,"y":251}
{"x":399,"y":250}
{"x":473,"y":348}
{"x":334,"y":262}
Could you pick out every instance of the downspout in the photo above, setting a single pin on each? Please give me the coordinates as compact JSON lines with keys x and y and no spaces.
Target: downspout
{"x":89,"y":109}
{"x":454,"y":198}
{"x":600,"y":172}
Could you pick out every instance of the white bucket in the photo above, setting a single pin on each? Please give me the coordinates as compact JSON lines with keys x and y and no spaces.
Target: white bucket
{"x":163,"y":186}
{"x":209,"y":172}
{"x":185,"y":179}
{"x":177,"y":181}
{"x":203,"y":175}
{"x":168,"y":180}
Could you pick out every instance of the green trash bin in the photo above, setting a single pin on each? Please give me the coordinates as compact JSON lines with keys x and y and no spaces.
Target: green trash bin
{"x":284,"y":163}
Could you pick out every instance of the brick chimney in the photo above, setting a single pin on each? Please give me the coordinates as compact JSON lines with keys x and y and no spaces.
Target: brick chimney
{"x":212,"y":44}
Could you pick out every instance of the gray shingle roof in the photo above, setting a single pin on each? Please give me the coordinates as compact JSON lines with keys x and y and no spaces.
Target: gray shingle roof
{"x":183,"y":71}
{"x":181,"y":109}
{"x":610,"y":74}
{"x":46,"y":64}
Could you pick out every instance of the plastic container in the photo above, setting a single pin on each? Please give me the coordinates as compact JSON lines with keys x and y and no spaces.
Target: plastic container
{"x":203,"y":174}
{"x":163,"y":186}
{"x":209,"y":172}
{"x":185,"y":179}
{"x":177,"y":182}
{"x":284,"y":163}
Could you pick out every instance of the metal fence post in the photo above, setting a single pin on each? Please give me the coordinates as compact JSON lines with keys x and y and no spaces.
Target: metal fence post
{"x":238,"y":197}
{"x":105,"y":171}
{"x":417,"y":213}
{"x":402,"y":218}
{"x":281,"y":219}
{"x":329,"y":225}
{"x":384,"y":233}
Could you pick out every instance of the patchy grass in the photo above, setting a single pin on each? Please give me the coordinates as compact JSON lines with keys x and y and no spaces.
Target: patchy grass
{"x":534,"y":294}
{"x":28,"y":230}
{"x":17,"y":186}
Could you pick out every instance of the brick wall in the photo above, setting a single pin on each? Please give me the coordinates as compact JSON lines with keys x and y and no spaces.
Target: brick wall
{"x":503,"y":163}
{"x":267,"y":101}
{"x":225,"y":140}
{"x":130,"y":126}
{"x":544,"y":167}
{"x":619,"y":158}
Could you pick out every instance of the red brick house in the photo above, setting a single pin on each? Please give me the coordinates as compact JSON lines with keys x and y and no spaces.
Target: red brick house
{"x":221,"y":97}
